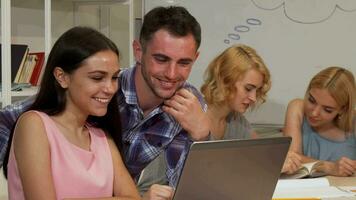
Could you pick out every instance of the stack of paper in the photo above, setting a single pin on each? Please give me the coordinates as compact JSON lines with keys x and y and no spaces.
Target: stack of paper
{"x":309,"y":188}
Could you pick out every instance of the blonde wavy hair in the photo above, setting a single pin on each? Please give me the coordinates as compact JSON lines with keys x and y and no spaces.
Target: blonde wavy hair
{"x":341,"y":85}
{"x":227,"y":68}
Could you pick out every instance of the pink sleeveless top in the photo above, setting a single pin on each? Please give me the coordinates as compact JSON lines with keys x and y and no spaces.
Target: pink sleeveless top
{"x":76,"y":172}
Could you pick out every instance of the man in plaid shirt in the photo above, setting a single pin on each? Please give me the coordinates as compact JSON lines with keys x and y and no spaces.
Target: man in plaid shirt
{"x":160,"y":112}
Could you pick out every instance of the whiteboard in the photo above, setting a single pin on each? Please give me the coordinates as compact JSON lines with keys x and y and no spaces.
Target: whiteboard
{"x":296,"y":39}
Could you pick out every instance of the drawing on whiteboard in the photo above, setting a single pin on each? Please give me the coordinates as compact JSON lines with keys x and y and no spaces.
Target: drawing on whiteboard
{"x":242,"y":29}
{"x":307,"y":12}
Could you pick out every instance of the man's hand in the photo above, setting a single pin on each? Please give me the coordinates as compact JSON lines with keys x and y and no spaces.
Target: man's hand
{"x":159,"y":192}
{"x":186,"y":109}
{"x":292,"y":163}
{"x":343,"y":167}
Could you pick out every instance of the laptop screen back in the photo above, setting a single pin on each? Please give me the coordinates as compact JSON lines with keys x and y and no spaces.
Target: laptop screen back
{"x":232,"y":169}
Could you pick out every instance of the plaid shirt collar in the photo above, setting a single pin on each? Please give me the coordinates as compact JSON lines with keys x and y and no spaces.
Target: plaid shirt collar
{"x":128,"y":89}
{"x":128,"y":86}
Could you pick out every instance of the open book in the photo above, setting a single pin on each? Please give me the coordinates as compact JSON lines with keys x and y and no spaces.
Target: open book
{"x":308,"y":170}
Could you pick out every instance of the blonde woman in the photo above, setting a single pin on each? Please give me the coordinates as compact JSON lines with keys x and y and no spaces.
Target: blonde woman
{"x":235,"y":81}
{"x":322,"y":124}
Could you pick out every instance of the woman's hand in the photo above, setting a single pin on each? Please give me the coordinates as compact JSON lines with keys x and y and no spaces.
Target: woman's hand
{"x":342,"y":167}
{"x":292,"y":163}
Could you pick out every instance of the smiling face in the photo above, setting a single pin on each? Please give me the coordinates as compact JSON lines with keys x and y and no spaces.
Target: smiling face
{"x":247,"y":89}
{"x":90,"y":88}
{"x":320,"y":108}
{"x":166,"y":62}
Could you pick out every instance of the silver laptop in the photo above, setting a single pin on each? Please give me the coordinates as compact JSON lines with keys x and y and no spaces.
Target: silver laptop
{"x":232,"y":169}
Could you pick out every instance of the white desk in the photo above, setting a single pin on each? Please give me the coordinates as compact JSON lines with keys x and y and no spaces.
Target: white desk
{"x":342,"y":181}
{"x":328,"y":188}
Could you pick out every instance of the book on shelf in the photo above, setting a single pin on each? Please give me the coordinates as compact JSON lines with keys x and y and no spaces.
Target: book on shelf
{"x":307,"y":170}
{"x":21,"y":68}
{"x":38,"y":69}
{"x":31,"y":70}
{"x":27,"y":69}
{"x":18,"y":57}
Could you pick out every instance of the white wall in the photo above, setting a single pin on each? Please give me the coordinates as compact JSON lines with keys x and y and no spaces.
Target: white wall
{"x":296,"y":39}
{"x":119,"y":33}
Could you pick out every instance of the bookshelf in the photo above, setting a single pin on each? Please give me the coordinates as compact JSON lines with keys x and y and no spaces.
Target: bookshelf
{"x":6,"y":41}
{"x":53,"y":17}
